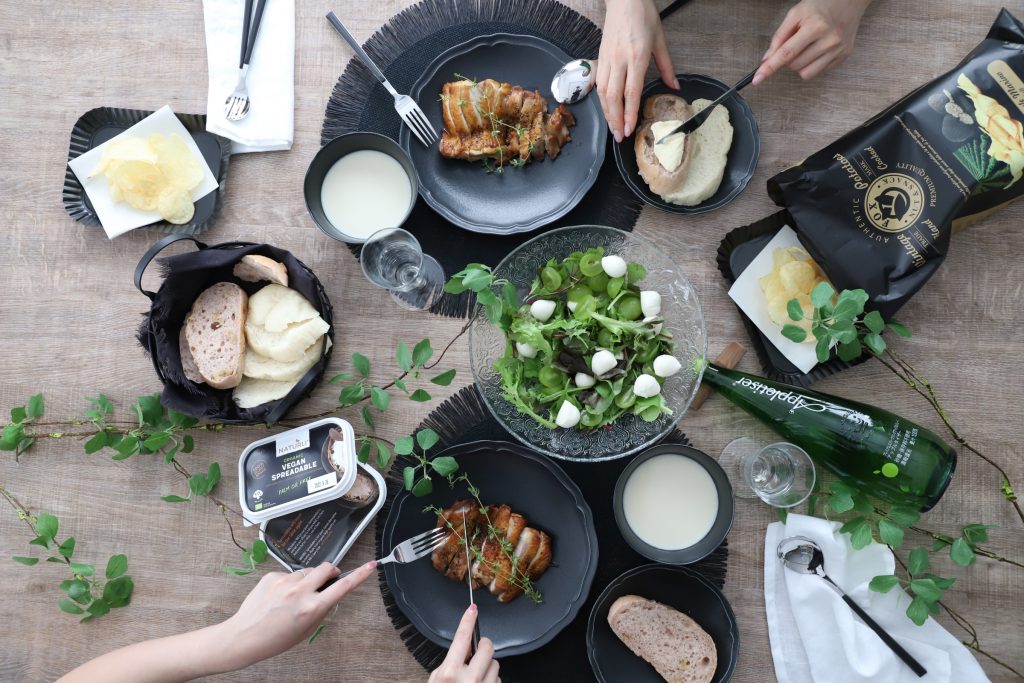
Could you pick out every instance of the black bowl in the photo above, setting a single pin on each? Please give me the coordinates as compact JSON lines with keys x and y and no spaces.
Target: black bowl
{"x":714,"y":537}
{"x":336,"y":149}
{"x":743,"y":155}
{"x":681,"y":588}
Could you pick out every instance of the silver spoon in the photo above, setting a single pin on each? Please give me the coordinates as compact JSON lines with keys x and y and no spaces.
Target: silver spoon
{"x":802,"y":555}
{"x":574,"y":81}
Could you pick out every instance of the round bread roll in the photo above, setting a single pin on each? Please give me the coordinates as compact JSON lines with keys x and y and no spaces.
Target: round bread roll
{"x":658,"y":178}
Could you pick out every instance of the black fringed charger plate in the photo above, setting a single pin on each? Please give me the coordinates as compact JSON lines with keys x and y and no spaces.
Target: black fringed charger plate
{"x":678,"y":587}
{"x":737,"y":251}
{"x":96,"y":126}
{"x":534,"y":487}
{"x":519,"y":199}
{"x":743,"y":154}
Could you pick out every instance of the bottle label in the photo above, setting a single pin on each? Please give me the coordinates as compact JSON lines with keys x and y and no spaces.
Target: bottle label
{"x":901,"y":443}
{"x":796,"y":401}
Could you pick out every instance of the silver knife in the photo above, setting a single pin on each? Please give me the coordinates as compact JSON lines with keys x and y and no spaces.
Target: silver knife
{"x":469,"y":581}
{"x":697,"y":120}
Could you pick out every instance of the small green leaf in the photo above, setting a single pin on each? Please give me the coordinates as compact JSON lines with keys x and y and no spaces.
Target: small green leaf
{"x":116,"y":566}
{"x":445,"y":378}
{"x":918,"y":561}
{"x":926,"y":589}
{"x":903,"y":515}
{"x":320,"y":627}
{"x":77,"y":590}
{"x":875,"y":343}
{"x":444,"y":465}
{"x":340,"y":378}
{"x":368,"y":418}
{"x":848,"y":351}
{"x":67,"y":548}
{"x":403,"y":445}
{"x":841,"y":502}
{"x":403,"y":357}
{"x":899,"y":329}
{"x":822,"y":295}
{"x":862,"y":537}
{"x":174,"y":499}
{"x":477,"y":279}
{"x":27,"y":561}
{"x":181,"y":420}
{"x":43,"y":541}
{"x":11,"y":437}
{"x":962,"y":553}
{"x":361,"y":363}
{"x":234,"y":571}
{"x":34,"y":408}
{"x":883,"y":583}
{"x":381,"y":399}
{"x":259,"y":551}
{"x":126,"y":447}
{"x":794,"y":333}
{"x":187,"y":444}
{"x":383,"y":454}
{"x":794,"y":309}
{"x":363,"y":455}
{"x":97,"y":443}
{"x":82,"y":569}
{"x":918,"y":610}
{"x":197,"y":484}
{"x":169,"y":455}
{"x":69,"y":607}
{"x":942,"y":583}
{"x":427,"y":439}
{"x":351,"y":394}
{"x":47,"y":525}
{"x":408,"y":477}
{"x":149,"y":410}
{"x":873,"y":321}
{"x":454,"y":286}
{"x":98,"y":608}
{"x":18,"y":414}
{"x":56,"y":560}
{"x":421,"y":353}
{"x":821,"y":348}
{"x":157,"y":441}
{"x":783,"y":514}
{"x":852,"y":525}
{"x":420,"y":396}
{"x":890,"y":534}
{"x":422,"y":487}
{"x":977,"y":533}
{"x":401,"y":386}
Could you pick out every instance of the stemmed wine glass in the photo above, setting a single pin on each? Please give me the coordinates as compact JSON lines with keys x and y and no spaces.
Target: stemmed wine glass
{"x":393,"y":260}
{"x":781,"y":474}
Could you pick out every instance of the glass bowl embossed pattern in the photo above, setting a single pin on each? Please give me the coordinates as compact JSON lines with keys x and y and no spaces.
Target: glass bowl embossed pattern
{"x":683,"y":319}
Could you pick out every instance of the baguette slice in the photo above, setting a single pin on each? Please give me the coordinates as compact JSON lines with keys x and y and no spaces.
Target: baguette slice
{"x":214,"y":332}
{"x":679,"y":649}
{"x":658,"y":178}
{"x":256,"y":268}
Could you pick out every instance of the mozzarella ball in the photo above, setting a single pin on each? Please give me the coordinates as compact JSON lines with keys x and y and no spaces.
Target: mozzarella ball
{"x":602,"y":362}
{"x":568,"y":415}
{"x":650,"y":303}
{"x":571,"y":305}
{"x":657,"y":326}
{"x":584,"y":381}
{"x":646,"y":386}
{"x":526,"y":350}
{"x":541,"y":309}
{"x":666,"y":365}
{"x":614,"y":266}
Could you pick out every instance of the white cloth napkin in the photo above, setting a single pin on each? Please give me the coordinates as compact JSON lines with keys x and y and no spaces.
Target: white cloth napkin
{"x":270,"y":123}
{"x":815,"y":636}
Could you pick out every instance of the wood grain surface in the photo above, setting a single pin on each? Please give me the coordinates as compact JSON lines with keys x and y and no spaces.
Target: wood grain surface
{"x":69,"y":312}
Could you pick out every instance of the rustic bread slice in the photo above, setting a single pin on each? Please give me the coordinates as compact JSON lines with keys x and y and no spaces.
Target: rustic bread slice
{"x":188,"y":363}
{"x":660,"y":179}
{"x":256,"y":268}
{"x":713,"y":140}
{"x":673,"y":643}
{"x":214,"y":334}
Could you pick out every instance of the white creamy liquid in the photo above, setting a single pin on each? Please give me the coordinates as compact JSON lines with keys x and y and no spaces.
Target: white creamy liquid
{"x":670,"y":502}
{"x":365,"y":191}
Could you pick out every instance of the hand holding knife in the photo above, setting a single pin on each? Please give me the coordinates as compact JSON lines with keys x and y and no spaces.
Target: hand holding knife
{"x":694,"y":122}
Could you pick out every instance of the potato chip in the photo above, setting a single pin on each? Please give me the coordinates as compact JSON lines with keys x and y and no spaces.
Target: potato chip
{"x":794,"y":275}
{"x":175,"y":205}
{"x":798,"y":277}
{"x":176,"y":162}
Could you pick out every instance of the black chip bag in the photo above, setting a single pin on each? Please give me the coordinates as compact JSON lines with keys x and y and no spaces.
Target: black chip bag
{"x":876,"y":208}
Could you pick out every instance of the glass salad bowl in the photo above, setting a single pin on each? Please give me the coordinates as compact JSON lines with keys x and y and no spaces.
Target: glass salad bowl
{"x":684,"y":320}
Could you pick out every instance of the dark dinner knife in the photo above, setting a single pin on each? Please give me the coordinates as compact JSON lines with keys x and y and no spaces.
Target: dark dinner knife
{"x":694,"y":122}
{"x":469,"y":581}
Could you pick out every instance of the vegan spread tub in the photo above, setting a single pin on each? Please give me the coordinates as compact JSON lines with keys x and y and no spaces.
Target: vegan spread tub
{"x":296,"y":469}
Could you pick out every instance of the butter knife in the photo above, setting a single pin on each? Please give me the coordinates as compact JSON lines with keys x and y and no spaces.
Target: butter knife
{"x":697,"y":120}
{"x":469,"y":582}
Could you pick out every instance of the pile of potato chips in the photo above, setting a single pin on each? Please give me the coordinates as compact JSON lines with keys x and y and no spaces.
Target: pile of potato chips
{"x":157,"y":173}
{"x":794,"y":274}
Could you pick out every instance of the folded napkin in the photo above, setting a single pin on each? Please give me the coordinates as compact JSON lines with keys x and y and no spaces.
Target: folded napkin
{"x":271,"y":78}
{"x":815,"y":636}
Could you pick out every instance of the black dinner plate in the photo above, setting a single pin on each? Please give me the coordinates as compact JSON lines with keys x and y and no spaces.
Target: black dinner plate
{"x":519,"y":199}
{"x":679,"y":587}
{"x":743,"y":155}
{"x":534,"y":487}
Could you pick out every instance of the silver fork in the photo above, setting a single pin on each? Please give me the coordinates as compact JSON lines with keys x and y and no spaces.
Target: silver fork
{"x":236,"y":106}
{"x":407,"y":109}
{"x":409,"y":550}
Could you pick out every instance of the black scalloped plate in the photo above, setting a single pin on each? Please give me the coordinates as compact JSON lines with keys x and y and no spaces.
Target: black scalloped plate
{"x":519,"y":199}
{"x":96,"y":126}
{"x":743,"y":155}
{"x":737,"y":251}
{"x":681,"y":588}
{"x":543,"y":493}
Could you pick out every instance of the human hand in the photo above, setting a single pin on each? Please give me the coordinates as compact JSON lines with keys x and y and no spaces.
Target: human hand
{"x":632,"y":32}
{"x":283,"y":610}
{"x":482,"y":668}
{"x":815,"y":36}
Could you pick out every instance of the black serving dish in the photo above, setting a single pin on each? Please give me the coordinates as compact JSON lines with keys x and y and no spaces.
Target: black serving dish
{"x":681,"y":588}
{"x":743,"y":155}
{"x":99,"y":125}
{"x":738,"y":250}
{"x":536,"y":488}
{"x":336,"y":149}
{"x":520,"y":199}
{"x":723,"y":519}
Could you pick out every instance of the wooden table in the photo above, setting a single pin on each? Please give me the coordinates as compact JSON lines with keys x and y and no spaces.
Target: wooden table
{"x":69,"y":314}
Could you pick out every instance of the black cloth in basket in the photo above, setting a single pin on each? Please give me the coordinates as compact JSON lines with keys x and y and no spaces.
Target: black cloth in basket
{"x":185,"y":277}
{"x":464,"y":418}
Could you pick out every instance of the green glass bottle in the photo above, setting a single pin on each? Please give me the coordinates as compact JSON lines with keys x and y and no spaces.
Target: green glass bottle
{"x":881,"y":453}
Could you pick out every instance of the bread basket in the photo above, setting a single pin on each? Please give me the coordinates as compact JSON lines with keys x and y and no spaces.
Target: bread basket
{"x":185,"y":277}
